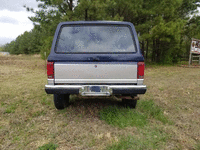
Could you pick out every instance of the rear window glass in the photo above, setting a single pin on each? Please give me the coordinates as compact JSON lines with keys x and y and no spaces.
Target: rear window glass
{"x":92,"y":39}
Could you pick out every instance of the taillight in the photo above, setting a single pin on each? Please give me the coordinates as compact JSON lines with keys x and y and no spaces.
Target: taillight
{"x":50,"y":70}
{"x":140,"y":70}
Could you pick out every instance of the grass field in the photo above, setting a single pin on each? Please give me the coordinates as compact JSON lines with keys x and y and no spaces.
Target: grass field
{"x":166,"y":117}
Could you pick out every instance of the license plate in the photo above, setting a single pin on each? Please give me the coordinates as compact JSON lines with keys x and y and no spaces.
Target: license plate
{"x":95,"y":89}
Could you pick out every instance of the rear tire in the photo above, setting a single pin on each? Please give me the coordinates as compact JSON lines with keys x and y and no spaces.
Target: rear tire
{"x":129,"y":103}
{"x":61,"y":100}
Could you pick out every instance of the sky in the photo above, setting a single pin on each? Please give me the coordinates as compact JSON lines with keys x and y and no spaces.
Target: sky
{"x":14,"y":19}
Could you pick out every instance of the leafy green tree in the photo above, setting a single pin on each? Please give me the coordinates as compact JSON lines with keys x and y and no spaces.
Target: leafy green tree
{"x":164,"y":26}
{"x":1,"y":49}
{"x":46,"y":19}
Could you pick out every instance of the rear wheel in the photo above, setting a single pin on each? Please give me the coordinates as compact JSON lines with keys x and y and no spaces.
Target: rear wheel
{"x":129,"y":103}
{"x":61,"y":100}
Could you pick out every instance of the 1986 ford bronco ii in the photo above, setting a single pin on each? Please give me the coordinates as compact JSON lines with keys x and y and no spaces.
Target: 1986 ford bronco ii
{"x":95,"y":58}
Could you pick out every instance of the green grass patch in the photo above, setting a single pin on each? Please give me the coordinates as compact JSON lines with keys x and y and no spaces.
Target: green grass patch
{"x":122,"y":117}
{"x":197,"y":147}
{"x":16,"y":138}
{"x":49,"y":146}
{"x":149,"y":139}
{"x":150,"y":109}
{"x":2,"y":104}
{"x":45,"y":100}
{"x":39,"y":113}
{"x":92,"y":142}
{"x":11,"y":109}
{"x":62,"y":111}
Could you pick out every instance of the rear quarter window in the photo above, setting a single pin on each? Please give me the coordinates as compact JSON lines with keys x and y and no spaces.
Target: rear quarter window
{"x":95,"y":39}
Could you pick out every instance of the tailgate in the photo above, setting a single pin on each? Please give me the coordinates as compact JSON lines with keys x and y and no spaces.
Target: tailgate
{"x":95,"y":72}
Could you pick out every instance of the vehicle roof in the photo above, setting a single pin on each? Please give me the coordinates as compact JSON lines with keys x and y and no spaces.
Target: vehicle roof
{"x":97,"y":22}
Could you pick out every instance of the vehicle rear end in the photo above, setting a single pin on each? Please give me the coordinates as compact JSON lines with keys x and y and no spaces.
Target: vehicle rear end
{"x":96,"y":58}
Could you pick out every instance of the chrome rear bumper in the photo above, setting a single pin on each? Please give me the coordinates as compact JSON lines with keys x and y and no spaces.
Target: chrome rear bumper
{"x":106,"y":90}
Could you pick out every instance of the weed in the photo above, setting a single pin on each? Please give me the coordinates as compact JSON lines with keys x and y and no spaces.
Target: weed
{"x":49,"y":146}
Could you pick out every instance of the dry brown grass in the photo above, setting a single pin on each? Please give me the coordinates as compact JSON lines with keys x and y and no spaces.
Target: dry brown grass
{"x":177,"y":90}
{"x":28,"y":118}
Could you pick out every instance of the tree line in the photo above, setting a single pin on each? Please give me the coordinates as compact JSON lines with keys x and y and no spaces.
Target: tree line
{"x":165,"y":27}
